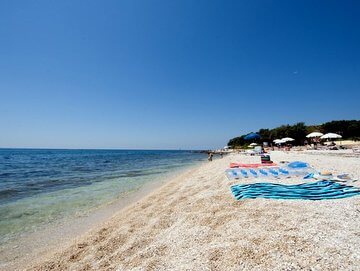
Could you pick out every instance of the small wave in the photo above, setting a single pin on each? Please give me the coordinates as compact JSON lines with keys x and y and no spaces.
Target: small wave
{"x":19,"y":215}
{"x":6,"y":174}
{"x":7,"y":193}
{"x":138,"y":173}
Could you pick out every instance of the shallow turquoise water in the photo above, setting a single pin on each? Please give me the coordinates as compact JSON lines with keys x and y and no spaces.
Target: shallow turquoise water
{"x":41,"y":186}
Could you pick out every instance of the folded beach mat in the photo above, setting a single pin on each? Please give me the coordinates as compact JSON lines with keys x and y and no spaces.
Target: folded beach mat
{"x":307,"y":191}
{"x":298,"y":168}
{"x":259,"y":172}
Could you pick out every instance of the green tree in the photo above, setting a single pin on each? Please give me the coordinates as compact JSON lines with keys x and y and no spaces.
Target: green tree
{"x":349,"y":129}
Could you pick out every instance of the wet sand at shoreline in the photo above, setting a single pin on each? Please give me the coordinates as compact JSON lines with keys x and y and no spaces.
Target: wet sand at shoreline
{"x":194,"y":223}
{"x":19,"y":251}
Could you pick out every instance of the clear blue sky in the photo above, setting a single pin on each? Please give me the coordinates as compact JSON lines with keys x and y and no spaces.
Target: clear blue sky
{"x":172,"y":74}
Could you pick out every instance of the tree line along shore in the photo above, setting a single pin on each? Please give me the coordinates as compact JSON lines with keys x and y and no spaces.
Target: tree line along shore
{"x":348,"y":129}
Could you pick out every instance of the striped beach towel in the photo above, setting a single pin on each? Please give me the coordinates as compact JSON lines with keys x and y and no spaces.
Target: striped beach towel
{"x":308,"y":191}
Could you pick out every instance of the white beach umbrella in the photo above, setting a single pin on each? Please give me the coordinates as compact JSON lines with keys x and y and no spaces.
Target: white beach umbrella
{"x":276,"y":140}
{"x":314,"y":134}
{"x":286,"y":139}
{"x":253,"y":144}
{"x":331,"y":136}
{"x":279,"y":141}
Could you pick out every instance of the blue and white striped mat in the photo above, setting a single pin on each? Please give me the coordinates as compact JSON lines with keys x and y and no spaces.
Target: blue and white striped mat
{"x":308,"y":191}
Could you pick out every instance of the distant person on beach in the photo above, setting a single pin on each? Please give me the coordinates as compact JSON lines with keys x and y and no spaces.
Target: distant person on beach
{"x":210,"y":156}
{"x":221,"y":155}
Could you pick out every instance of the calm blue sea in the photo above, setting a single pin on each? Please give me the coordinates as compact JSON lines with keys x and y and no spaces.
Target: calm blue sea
{"x":39,"y":186}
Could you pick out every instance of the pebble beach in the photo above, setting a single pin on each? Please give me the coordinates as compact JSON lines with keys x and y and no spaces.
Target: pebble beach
{"x":193,"y":222}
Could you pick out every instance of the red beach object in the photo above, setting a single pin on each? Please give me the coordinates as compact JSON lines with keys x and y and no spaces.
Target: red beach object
{"x":236,"y":165}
